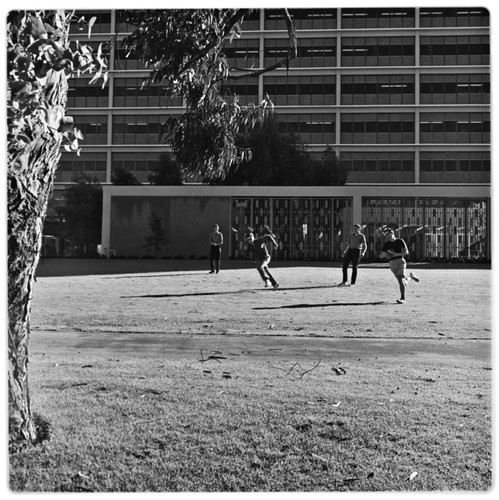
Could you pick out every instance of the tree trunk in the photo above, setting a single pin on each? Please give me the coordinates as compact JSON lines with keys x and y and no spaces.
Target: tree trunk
{"x":29,"y":186}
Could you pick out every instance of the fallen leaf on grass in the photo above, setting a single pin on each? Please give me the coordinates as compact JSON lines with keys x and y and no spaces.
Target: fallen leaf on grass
{"x":413,"y":476}
{"x":339,"y":371}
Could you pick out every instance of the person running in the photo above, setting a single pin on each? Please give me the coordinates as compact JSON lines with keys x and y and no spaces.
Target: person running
{"x":395,"y":249}
{"x":257,"y":247}
{"x":355,"y":249}
{"x":216,"y":242}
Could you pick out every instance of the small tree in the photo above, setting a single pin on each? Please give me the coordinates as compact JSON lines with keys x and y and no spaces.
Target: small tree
{"x":158,"y":234}
{"x":122,"y":177}
{"x":329,"y":171}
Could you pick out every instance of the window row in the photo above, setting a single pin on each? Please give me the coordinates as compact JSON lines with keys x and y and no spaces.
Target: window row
{"x":449,"y":161}
{"x":355,"y":52}
{"x":366,"y":166}
{"x":377,"y":128}
{"x":315,"y":128}
{"x":300,"y":90}
{"x":310,"y":19}
{"x":358,"y":18}
{"x":378,"y":162}
{"x":455,"y":162}
{"x":458,"y":128}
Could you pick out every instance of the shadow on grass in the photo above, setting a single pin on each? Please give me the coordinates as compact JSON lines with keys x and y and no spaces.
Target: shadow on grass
{"x":231,"y":292}
{"x":334,"y":304}
{"x":170,"y":274}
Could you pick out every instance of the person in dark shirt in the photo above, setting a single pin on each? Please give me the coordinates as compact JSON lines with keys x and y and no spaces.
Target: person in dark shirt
{"x":216,"y":242}
{"x":355,"y":249}
{"x":257,"y":247}
{"x":395,"y":249}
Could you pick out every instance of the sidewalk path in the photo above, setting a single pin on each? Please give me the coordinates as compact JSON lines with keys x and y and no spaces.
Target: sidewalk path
{"x":177,"y":346}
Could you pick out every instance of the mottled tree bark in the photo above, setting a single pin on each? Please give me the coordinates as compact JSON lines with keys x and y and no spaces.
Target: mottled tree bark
{"x":30,"y":183}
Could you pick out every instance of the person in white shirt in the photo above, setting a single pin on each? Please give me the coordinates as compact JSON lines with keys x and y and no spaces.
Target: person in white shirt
{"x":355,"y":249}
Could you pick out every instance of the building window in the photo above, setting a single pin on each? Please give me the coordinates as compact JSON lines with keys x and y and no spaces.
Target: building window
{"x":380,"y":128}
{"x":246,"y":89}
{"x":303,"y":19}
{"x":300,"y":90}
{"x":377,"y":51}
{"x":436,"y":18}
{"x":123,"y":60}
{"x":83,"y":95}
{"x":102,"y":22}
{"x":455,"y":89}
{"x":378,"y":162}
{"x":137,"y":129}
{"x":450,"y":161}
{"x":455,"y":128}
{"x":129,"y":92}
{"x":91,"y":164}
{"x":312,"y":52}
{"x":455,"y":167}
{"x":93,"y":128}
{"x":251,"y":21}
{"x":377,"y":89}
{"x":377,"y":18}
{"x":243,"y":53}
{"x":455,"y":50}
{"x":316,"y":128}
{"x":141,"y":165}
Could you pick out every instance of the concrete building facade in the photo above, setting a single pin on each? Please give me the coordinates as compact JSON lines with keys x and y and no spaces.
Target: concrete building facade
{"x":402,"y":95}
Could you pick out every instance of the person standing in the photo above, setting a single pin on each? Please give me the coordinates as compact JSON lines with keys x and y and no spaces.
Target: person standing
{"x":395,"y":250}
{"x":355,"y":249}
{"x":216,"y":242}
{"x":258,"y":248}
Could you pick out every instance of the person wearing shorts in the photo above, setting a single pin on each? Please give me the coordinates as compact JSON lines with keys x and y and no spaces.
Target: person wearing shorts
{"x":395,"y":250}
{"x":257,"y":247}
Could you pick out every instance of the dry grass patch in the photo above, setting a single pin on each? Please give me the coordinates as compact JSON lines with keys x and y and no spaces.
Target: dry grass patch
{"x":308,"y":388}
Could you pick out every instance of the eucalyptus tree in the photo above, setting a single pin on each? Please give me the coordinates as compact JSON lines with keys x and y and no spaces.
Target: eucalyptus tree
{"x":184,"y":51}
{"x":39,"y":63}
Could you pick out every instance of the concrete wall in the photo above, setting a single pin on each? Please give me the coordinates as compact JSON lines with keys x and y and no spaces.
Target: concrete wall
{"x":189,"y":212}
{"x":187,"y":222}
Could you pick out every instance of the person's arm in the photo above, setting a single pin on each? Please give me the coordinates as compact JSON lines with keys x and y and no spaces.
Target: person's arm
{"x":363,"y":250}
{"x":384,"y":251}
{"x":405,"y":250}
{"x":221,"y":239}
{"x":347,"y":247}
{"x":270,"y":238}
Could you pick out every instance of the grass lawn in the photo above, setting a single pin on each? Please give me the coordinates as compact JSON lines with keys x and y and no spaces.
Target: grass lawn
{"x":162,"y":377}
